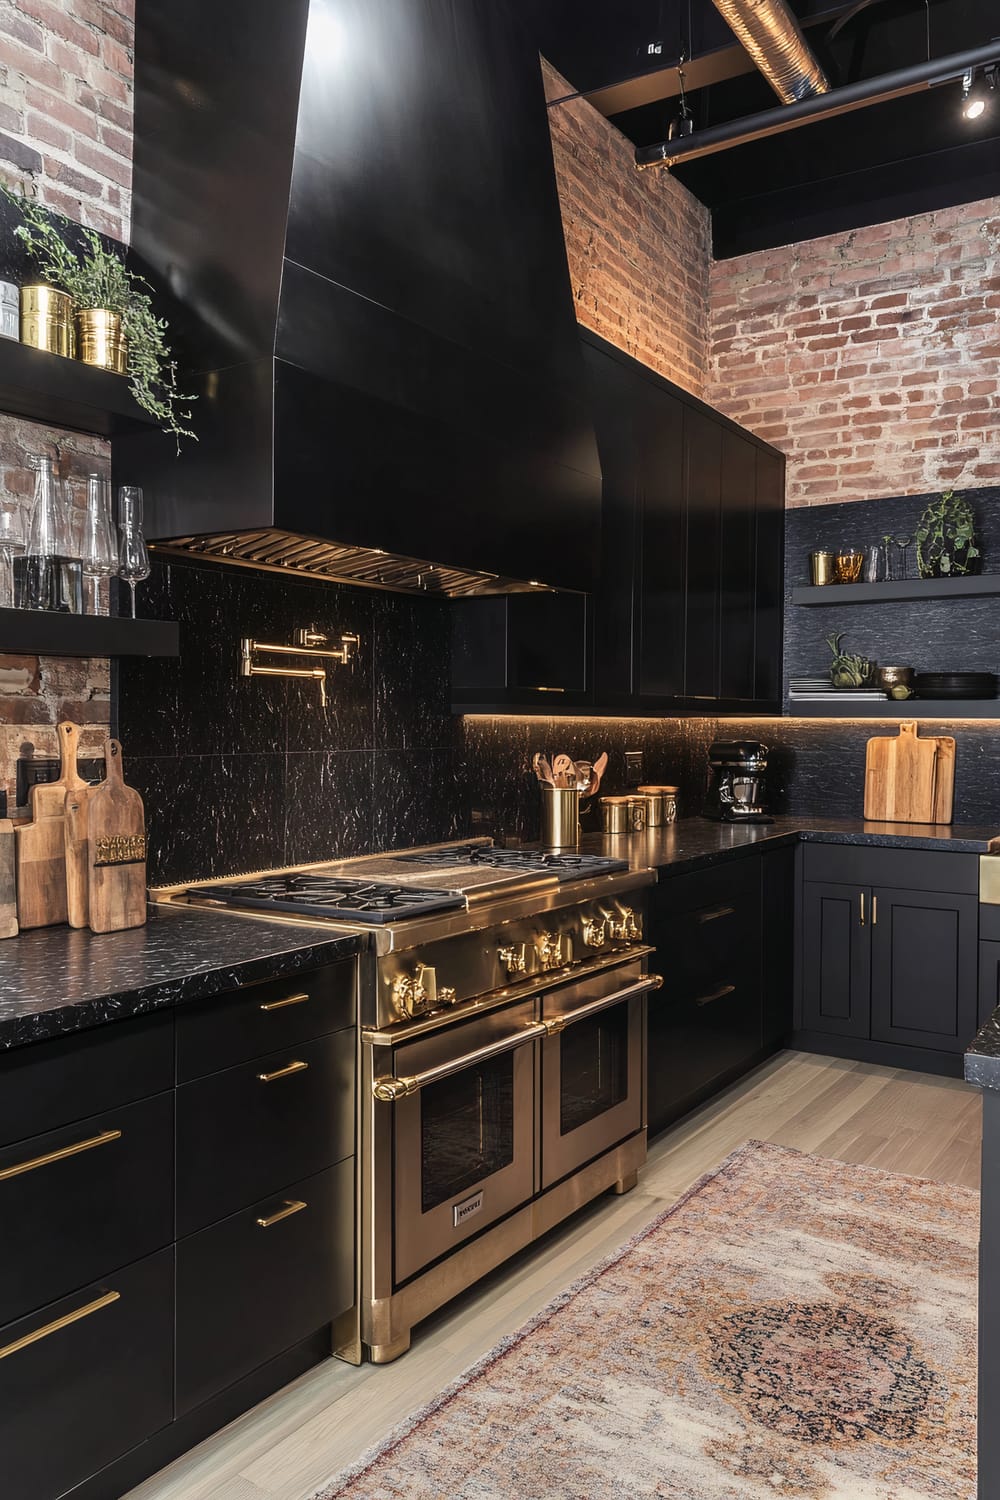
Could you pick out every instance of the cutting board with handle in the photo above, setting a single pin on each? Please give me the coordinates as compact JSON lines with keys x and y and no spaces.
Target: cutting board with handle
{"x":41,"y":843}
{"x":8,"y":881}
{"x":116,"y":840}
{"x":910,"y":778}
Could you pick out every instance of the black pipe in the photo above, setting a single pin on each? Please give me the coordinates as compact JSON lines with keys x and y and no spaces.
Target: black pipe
{"x":823,"y":107}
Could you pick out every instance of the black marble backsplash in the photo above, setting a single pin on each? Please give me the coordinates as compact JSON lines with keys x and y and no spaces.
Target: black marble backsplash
{"x":247,"y":773}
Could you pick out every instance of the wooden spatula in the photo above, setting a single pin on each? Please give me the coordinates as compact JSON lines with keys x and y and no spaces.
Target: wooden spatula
{"x":8,"y":884}
{"x":116,"y":838}
{"x":41,"y":844}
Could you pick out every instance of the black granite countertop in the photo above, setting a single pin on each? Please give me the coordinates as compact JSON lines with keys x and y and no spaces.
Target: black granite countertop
{"x":982,"y":1058}
{"x":692,"y":843}
{"x":55,"y":980}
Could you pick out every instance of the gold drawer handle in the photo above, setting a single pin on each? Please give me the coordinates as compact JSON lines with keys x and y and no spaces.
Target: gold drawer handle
{"x":59,"y":1324}
{"x":289,"y":1000}
{"x":104,"y":1139}
{"x":713,"y":916}
{"x":285,"y":1072}
{"x":719,"y":994}
{"x":292,"y":1206}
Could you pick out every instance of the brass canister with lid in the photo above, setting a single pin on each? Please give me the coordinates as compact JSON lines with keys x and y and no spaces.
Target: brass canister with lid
{"x":623,"y":814}
{"x":47,"y":320}
{"x":661,"y":804}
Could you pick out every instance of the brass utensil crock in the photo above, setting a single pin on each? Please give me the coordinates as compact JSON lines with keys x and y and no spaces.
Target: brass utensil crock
{"x":560,"y":818}
{"x":100,"y":340}
{"x":47,"y":320}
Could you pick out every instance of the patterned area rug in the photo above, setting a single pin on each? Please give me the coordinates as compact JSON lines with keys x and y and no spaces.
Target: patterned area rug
{"x":793,"y":1326}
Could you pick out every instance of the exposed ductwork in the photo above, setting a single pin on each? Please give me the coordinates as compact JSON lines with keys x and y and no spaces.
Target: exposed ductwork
{"x":770,"y":34}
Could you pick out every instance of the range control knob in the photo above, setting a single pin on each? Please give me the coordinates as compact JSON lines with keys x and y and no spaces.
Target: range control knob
{"x":513,"y":959}
{"x":624,"y":927}
{"x":594,"y":932}
{"x":413,"y":994}
{"x":549,"y":948}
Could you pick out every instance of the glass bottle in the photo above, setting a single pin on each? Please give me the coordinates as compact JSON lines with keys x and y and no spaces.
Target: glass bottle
{"x":98,"y":550}
{"x":133,"y":558}
{"x":11,"y":546}
{"x":49,"y":575}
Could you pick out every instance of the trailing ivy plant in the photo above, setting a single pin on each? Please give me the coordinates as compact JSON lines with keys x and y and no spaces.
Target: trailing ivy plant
{"x":98,"y":278}
{"x":946,"y":538}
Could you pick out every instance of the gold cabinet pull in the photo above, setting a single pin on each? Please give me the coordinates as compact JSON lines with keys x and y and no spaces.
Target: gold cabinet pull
{"x":104,"y":1139}
{"x":718,"y":911}
{"x":285,"y":1072}
{"x":292,"y":1206}
{"x":288,"y":1000}
{"x":874,"y":911}
{"x":719,"y":994}
{"x":59,"y":1324}
{"x":861,"y":898}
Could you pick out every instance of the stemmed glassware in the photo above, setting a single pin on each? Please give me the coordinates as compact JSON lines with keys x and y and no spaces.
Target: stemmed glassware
{"x":98,"y":550}
{"x":133,"y":558}
{"x":12,"y":540}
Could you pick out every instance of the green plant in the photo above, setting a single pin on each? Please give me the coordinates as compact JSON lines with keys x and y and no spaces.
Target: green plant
{"x":946,"y":538}
{"x":847,"y":671}
{"x":98,"y":278}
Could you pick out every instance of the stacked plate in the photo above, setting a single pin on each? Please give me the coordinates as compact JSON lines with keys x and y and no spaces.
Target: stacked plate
{"x":956,"y":684}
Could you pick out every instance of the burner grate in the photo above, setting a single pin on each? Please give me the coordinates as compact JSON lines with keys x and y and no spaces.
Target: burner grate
{"x":566,"y":866}
{"x":331,"y":896}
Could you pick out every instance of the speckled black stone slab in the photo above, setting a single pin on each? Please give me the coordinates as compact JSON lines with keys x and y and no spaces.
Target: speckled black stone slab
{"x":56,"y":980}
{"x":982,"y":1059}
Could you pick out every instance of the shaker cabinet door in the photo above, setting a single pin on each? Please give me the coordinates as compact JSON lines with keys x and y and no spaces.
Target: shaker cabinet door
{"x":737,"y":566}
{"x":924,"y":968}
{"x":836,"y":960}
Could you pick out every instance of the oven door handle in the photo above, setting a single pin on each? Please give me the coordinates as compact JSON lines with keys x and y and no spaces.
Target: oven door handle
{"x":641,"y":987}
{"x":388,"y":1089}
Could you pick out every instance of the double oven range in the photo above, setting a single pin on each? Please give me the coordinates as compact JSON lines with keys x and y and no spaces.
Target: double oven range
{"x":502,"y":1008}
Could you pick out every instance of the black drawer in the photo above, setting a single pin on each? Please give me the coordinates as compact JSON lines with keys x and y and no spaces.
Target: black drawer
{"x":246,"y":1023}
{"x":75,"y":1397}
{"x":989,"y":922}
{"x":104,"y":1203}
{"x":733,"y":884}
{"x":53,"y":1083}
{"x":246,"y":1132}
{"x":904,"y":869}
{"x":262,"y":1280}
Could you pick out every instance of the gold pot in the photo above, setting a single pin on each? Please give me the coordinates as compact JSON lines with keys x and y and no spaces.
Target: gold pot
{"x":100,"y":340}
{"x":47,"y":320}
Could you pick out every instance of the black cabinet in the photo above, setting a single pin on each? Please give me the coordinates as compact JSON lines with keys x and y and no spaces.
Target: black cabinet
{"x":777,"y":929}
{"x":889,"y":948}
{"x":707,"y":1022}
{"x":989,"y":980}
{"x":521,"y":648}
{"x":689,"y":608}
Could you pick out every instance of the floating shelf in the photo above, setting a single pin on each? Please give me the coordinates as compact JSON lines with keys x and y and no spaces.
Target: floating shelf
{"x":65,"y":392}
{"x":915,"y":708}
{"x":39,"y":632}
{"x":885,"y":593}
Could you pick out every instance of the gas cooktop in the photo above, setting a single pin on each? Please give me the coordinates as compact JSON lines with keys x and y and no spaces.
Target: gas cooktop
{"x":564,"y":866}
{"x":330,"y":896}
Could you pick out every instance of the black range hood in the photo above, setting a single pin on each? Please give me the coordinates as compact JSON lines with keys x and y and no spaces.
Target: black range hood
{"x":353,"y":205}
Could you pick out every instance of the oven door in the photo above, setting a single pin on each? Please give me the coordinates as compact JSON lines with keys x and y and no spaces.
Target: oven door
{"x":593,"y":1065}
{"x":463,"y":1131}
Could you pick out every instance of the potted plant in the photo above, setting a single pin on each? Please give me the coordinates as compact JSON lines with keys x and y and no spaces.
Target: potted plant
{"x":847,"y":671}
{"x":946,"y":538}
{"x":116,"y":325}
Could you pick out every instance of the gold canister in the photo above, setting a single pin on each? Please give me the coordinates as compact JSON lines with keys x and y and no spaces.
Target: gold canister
{"x":822,"y":567}
{"x":661,"y":804}
{"x":100,"y":340}
{"x":623,"y":814}
{"x":560,"y":818}
{"x":47,"y":320}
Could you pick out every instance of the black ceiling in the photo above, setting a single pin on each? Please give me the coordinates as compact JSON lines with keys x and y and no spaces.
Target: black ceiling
{"x":883,"y":162}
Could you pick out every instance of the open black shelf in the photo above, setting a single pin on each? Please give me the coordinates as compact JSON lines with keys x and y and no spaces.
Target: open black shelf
{"x":909,"y":588}
{"x":66,"y":393}
{"x":39,"y":632}
{"x":914,"y":708}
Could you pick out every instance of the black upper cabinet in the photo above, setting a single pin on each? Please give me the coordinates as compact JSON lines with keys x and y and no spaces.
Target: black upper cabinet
{"x":403,"y":362}
{"x":689,"y":609}
{"x":519,"y":649}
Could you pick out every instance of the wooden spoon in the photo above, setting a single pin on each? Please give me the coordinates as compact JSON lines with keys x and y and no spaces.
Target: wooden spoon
{"x":563,"y":773}
{"x":600,"y":766}
{"x":543,"y":770}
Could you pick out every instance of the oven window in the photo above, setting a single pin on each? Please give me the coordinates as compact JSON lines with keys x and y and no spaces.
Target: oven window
{"x":466,"y":1129}
{"x":593,"y":1066}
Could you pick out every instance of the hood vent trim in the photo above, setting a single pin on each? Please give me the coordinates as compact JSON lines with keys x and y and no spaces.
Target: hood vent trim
{"x":274,"y":551}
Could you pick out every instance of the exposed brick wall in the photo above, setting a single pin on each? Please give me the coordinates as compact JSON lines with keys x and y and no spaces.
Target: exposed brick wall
{"x":872,"y":359}
{"x":639,"y":244}
{"x":66,"y":106}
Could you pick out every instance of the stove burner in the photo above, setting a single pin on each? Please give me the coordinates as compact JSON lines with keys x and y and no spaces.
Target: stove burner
{"x":331,"y":896}
{"x":566,"y":866}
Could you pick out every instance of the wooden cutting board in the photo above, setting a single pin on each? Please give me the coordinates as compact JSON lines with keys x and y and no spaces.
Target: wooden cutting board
{"x":8,"y":883}
{"x":116,"y":839}
{"x":910,"y":778}
{"x":41,"y":843}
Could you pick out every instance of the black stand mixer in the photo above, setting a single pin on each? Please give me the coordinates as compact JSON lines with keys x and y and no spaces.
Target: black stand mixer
{"x":737,"y":782}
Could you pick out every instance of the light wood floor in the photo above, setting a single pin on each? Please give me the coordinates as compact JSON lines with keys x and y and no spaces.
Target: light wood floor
{"x":289,"y":1445}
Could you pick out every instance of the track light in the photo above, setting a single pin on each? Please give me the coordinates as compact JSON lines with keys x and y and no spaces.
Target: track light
{"x":977,"y":92}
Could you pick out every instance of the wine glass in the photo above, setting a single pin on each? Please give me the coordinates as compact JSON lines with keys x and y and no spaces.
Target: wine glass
{"x":133,"y":558}
{"x":98,"y":552}
{"x":12,"y":543}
